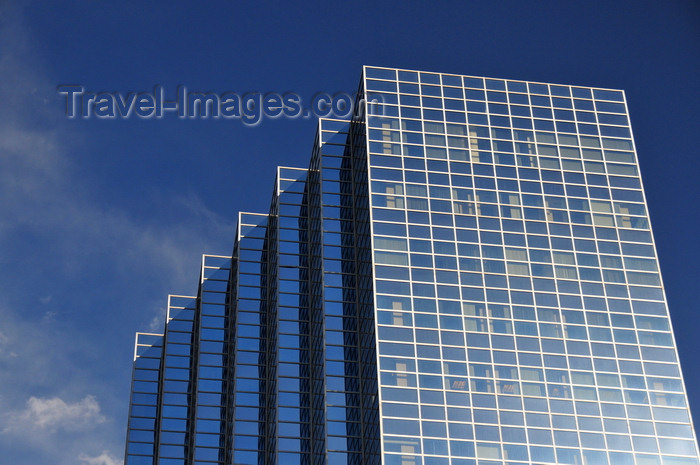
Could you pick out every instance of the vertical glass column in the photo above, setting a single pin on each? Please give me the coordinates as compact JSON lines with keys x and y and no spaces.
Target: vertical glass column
{"x":349,"y":426}
{"x":177,"y":386}
{"x":363,"y":293}
{"x":340,"y":314}
{"x":249,"y":335}
{"x":212,"y":383}
{"x":141,"y":432}
{"x":404,"y":273}
{"x":291,"y":316}
{"x":314,"y":252}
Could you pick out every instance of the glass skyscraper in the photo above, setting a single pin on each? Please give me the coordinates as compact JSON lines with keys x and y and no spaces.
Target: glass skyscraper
{"x":464,"y":275}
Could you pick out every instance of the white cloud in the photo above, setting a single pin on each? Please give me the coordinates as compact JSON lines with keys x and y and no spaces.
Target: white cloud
{"x":53,"y":414}
{"x":158,"y":322}
{"x":77,"y":272}
{"x":105,"y":458}
{"x":5,"y":347}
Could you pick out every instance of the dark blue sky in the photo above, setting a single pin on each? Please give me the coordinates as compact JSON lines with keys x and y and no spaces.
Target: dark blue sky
{"x":101,"y":219}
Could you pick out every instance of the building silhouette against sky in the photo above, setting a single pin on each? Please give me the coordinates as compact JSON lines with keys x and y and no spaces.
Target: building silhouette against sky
{"x":465,"y":274}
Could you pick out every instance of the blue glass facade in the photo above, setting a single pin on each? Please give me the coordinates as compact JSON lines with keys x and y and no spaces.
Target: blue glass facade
{"x":465,"y":274}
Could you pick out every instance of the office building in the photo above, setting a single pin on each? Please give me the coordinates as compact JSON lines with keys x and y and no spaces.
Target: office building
{"x":464,"y":275}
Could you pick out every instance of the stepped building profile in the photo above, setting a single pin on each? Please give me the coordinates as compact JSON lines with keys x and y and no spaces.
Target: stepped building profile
{"x":465,"y":274}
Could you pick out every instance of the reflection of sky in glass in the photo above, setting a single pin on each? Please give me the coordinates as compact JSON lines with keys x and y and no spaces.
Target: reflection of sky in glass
{"x":515,"y":269}
{"x":469,"y":275}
